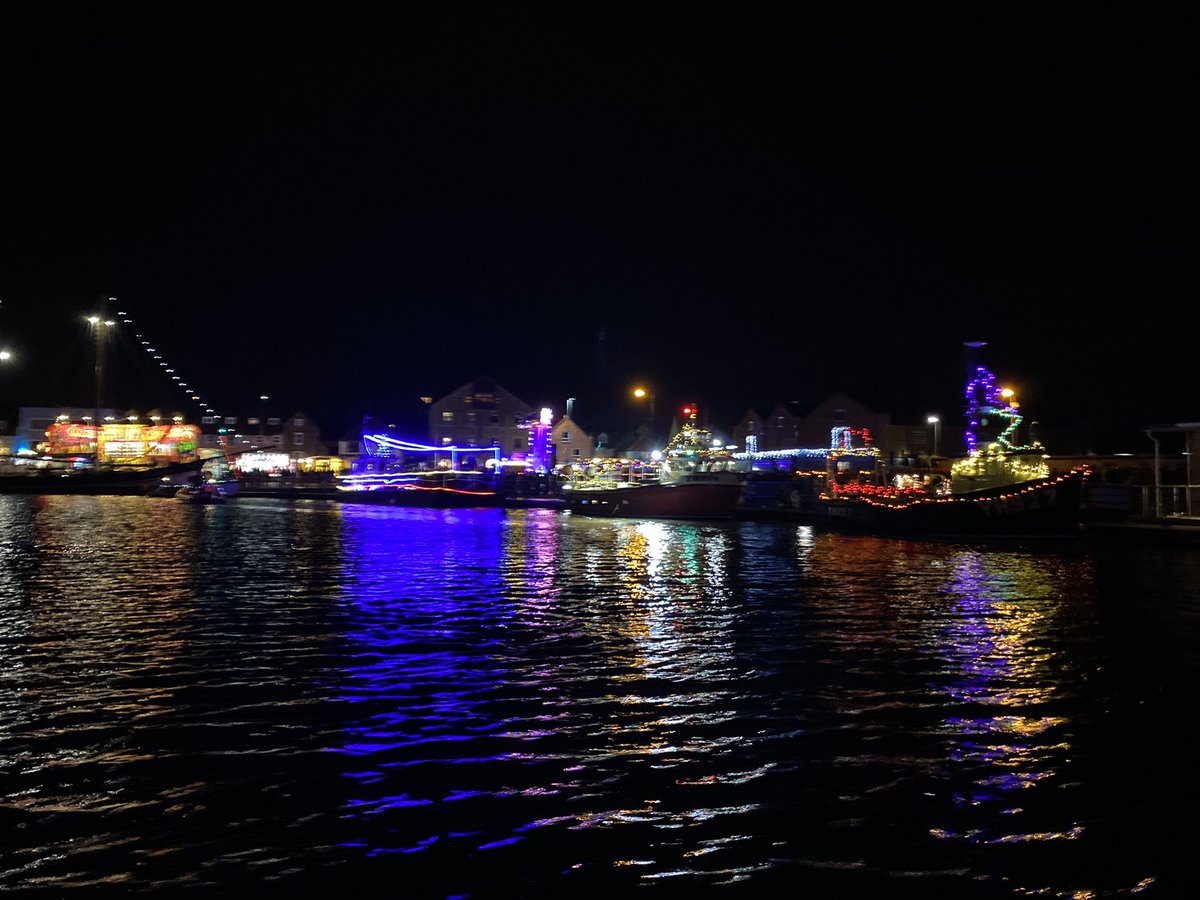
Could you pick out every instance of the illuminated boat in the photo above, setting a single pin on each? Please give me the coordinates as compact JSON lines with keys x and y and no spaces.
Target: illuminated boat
{"x":1035,"y":507}
{"x":692,"y":480}
{"x":999,"y":488}
{"x":396,"y":472}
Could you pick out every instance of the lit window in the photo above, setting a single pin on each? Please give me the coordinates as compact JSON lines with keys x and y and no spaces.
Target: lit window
{"x":445,"y":441}
{"x":253,"y":420}
{"x":447,"y":416}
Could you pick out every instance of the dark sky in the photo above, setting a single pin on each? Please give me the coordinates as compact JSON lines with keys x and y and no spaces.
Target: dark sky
{"x":349,"y":206}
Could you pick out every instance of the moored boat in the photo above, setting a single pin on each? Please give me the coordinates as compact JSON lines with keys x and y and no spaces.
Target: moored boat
{"x":396,"y":472}
{"x":1000,"y":488}
{"x":692,"y":480}
{"x":94,"y":479}
{"x":1035,"y":507}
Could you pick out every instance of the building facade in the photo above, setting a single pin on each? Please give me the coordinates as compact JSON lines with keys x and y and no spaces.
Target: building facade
{"x":481,"y":413}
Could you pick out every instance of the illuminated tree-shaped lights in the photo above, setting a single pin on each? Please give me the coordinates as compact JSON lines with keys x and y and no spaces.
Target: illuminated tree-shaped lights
{"x":986,"y":398}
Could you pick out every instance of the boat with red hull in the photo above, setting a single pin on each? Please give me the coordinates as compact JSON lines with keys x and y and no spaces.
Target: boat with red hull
{"x":694,"y":480}
{"x":700,"y":495}
{"x":1043,"y":507}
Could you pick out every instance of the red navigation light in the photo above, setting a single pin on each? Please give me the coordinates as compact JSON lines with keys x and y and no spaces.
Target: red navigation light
{"x":687,"y":410}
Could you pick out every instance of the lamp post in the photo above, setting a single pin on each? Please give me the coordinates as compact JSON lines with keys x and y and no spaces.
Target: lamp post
{"x":262,"y":419}
{"x":937,"y":433}
{"x":643,"y":394}
{"x":95,"y":322}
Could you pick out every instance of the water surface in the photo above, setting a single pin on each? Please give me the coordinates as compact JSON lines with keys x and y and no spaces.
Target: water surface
{"x":529,"y":703}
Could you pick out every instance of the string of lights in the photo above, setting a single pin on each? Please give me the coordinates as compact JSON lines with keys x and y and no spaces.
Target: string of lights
{"x":190,"y":391}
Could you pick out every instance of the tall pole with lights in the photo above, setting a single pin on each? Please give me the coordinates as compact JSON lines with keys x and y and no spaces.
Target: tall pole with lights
{"x":100,"y":328}
{"x":643,"y":394}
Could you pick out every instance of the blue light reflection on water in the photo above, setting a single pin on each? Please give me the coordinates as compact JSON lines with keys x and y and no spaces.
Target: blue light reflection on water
{"x":514,"y":703}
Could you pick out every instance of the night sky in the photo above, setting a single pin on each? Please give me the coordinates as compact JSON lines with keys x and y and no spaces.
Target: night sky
{"x":348,"y":207}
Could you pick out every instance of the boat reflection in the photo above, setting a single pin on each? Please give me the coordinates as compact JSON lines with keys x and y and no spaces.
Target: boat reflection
{"x":1007,"y":679}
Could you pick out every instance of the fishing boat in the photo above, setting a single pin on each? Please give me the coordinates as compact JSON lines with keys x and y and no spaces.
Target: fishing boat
{"x":1042,"y":506}
{"x":691,"y":479}
{"x":998,"y":488}
{"x":395,"y":472}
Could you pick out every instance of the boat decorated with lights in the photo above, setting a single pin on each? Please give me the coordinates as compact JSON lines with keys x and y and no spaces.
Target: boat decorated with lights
{"x":95,"y":451}
{"x":399,"y":472}
{"x":690,"y":479}
{"x":999,"y":488}
{"x":113,"y":458}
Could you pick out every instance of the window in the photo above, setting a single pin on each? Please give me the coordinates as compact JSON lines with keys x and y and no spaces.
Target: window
{"x":254,"y":420}
{"x":208,"y":420}
{"x":298,"y":438}
{"x":495,"y":419}
{"x":575,"y":452}
{"x":231,"y":420}
{"x":839,"y":415}
{"x":470,"y":415}
{"x":447,"y":415}
{"x":566,"y":436}
{"x":274,"y":420}
{"x":445,"y":441}
{"x":299,"y":423}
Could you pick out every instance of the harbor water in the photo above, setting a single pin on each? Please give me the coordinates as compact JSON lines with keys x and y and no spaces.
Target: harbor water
{"x":308,"y":696}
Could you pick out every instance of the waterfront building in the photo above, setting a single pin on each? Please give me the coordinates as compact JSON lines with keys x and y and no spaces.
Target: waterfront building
{"x":297,"y":436}
{"x":571,"y":443}
{"x":791,"y":423}
{"x":481,"y":413}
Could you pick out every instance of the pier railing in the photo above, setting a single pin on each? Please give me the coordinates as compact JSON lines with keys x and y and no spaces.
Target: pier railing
{"x":1166,"y":500}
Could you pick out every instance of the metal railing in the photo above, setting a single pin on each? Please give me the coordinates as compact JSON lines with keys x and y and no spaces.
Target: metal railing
{"x":1166,"y":500}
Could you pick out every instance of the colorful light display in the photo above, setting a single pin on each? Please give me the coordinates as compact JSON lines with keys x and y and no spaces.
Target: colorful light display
{"x":128,"y":443}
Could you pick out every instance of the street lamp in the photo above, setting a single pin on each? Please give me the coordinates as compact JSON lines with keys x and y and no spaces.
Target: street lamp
{"x":262,"y":418}
{"x":937,"y":431}
{"x":95,"y":322}
{"x":643,"y":394}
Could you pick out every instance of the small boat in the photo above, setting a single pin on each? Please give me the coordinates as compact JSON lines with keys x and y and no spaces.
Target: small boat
{"x":217,"y":488}
{"x":202,"y":493}
{"x":692,"y":480}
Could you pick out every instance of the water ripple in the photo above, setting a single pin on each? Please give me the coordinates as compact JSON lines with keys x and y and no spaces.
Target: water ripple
{"x":520,"y":703}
